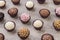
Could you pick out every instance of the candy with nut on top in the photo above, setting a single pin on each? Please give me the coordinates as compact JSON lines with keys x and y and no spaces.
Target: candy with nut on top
{"x":56,"y":25}
{"x":24,"y":33}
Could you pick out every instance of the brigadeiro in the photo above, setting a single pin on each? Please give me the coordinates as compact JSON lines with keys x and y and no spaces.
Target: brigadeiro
{"x":29,"y":5}
{"x":2,"y":37}
{"x":38,"y":24}
{"x":2,"y":3}
{"x":41,"y":1}
{"x":25,"y":18}
{"x":44,"y":13}
{"x":56,"y":25}
{"x":23,"y":33}
{"x":57,"y":11}
{"x":13,"y":12}
{"x":15,"y":2}
{"x":1,"y":16}
{"x":47,"y":37}
{"x":10,"y":26}
{"x":57,"y":2}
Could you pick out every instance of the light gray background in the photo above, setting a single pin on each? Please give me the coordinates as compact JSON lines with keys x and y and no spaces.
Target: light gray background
{"x":34,"y":34}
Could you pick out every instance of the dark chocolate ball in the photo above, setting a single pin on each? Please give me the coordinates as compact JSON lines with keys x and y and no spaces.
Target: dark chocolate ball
{"x":13,"y":12}
{"x":47,"y":37}
{"x":2,"y":37}
{"x":1,"y":16}
{"x":57,"y":2}
{"x":41,"y":1}
{"x":15,"y":1}
{"x":44,"y":13}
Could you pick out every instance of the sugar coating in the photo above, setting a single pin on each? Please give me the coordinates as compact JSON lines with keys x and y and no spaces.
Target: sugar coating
{"x":29,"y":4}
{"x":58,"y":10}
{"x":37,"y":24}
{"x":9,"y":25}
{"x":2,"y":3}
{"x":25,"y":17}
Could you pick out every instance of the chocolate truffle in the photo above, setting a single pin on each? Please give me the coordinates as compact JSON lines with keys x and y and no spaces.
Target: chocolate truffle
{"x":57,"y":11}
{"x":38,"y":24}
{"x":2,"y":3}
{"x":25,"y":18}
{"x":44,"y":13}
{"x":41,"y":1}
{"x":2,"y":37}
{"x":23,"y":33}
{"x":56,"y":25}
{"x":47,"y":37}
{"x":10,"y":26}
{"x":57,"y":2}
{"x":13,"y":12}
{"x":29,"y":5}
{"x":15,"y":1}
{"x":1,"y":16}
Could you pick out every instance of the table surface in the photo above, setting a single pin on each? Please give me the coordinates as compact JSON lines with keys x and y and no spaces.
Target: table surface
{"x":34,"y":34}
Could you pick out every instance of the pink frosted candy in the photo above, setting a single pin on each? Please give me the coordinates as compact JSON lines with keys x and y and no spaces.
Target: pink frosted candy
{"x":25,"y":17}
{"x":58,"y":11}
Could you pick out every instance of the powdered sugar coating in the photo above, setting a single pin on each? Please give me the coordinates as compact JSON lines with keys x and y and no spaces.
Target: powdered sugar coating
{"x":29,"y":4}
{"x":25,"y":17}
{"x":2,"y":3}
{"x":58,"y":10}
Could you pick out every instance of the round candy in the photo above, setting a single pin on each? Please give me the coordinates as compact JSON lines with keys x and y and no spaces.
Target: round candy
{"x":41,"y":1}
{"x":29,"y":5}
{"x":13,"y":12}
{"x":57,"y":2}
{"x":44,"y":13}
{"x":2,"y":3}
{"x":15,"y":1}
{"x":56,"y":25}
{"x":10,"y":26}
{"x":1,"y":16}
{"x":2,"y":37}
{"x":47,"y":37}
{"x":23,"y":33}
{"x":38,"y":24}
{"x":57,"y":11}
{"x":25,"y":18}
